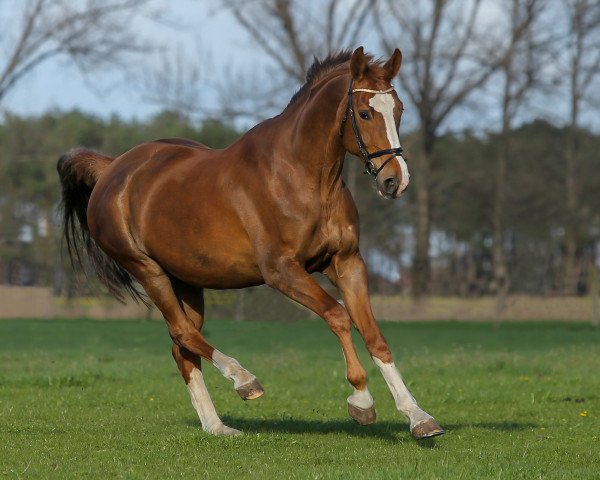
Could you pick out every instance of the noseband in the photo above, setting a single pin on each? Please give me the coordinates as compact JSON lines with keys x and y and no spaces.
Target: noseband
{"x":370,"y":166}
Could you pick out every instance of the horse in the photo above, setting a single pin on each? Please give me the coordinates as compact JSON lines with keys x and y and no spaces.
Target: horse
{"x":177,"y":217}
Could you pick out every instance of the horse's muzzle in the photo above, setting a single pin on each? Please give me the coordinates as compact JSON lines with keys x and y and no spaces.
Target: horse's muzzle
{"x":389,"y":187}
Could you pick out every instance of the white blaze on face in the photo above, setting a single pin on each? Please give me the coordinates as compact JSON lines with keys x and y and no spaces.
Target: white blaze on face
{"x":384,"y":103}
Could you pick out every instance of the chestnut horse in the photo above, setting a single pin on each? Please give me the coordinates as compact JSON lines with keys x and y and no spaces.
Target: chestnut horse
{"x":178,"y":217}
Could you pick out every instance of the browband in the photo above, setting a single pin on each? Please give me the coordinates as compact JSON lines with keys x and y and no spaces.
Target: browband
{"x":368,"y":90}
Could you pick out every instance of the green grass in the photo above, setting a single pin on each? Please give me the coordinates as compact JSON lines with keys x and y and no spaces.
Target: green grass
{"x":90,"y":399}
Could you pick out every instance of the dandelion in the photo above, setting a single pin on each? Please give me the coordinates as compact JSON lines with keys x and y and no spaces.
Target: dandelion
{"x":524,"y":378}
{"x":583,"y":414}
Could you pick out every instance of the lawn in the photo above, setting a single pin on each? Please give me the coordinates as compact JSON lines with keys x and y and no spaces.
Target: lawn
{"x":93,"y":399}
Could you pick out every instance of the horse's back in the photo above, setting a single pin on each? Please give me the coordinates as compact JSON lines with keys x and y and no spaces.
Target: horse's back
{"x":126,"y":184}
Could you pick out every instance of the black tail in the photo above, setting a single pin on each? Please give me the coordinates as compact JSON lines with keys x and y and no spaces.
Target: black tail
{"x":79,"y":170}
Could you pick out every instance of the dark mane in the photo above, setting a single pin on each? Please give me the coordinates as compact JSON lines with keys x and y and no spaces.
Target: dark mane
{"x":320,"y":68}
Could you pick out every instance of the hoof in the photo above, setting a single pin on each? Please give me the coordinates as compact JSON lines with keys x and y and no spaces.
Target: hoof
{"x":224,"y":430}
{"x":426,"y":429}
{"x":364,"y":416}
{"x":250,"y":391}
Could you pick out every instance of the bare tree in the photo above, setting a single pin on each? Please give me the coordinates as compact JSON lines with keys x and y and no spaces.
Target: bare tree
{"x":582,"y":71}
{"x":174,"y":84}
{"x":443,"y":67}
{"x":93,"y":33}
{"x":291,"y":33}
{"x":519,"y":72}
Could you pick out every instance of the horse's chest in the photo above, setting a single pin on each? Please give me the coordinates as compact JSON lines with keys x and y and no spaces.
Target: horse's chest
{"x":329,"y":238}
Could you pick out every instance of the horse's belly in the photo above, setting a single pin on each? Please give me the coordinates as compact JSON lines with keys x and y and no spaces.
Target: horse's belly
{"x":209,"y":268}
{"x":211,"y":251}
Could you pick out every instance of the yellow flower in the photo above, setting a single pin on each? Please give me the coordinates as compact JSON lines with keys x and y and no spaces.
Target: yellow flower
{"x":583,"y":414}
{"x":524,"y":378}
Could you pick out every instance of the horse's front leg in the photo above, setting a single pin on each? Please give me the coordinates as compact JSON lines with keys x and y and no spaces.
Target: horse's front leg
{"x":294,"y":281}
{"x":349,"y":274}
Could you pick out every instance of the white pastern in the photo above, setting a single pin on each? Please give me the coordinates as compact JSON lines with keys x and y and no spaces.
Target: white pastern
{"x":231,"y":369}
{"x":405,"y":402}
{"x":361,"y":399}
{"x":384,"y":104}
{"x":201,"y":401}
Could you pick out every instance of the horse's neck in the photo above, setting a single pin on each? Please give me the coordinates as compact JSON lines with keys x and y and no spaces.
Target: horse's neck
{"x":313,"y":134}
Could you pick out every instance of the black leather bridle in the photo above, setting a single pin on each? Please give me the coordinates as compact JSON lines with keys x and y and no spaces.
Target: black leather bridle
{"x":370,"y":166}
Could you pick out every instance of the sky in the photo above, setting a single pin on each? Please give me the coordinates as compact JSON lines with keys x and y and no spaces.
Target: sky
{"x":204,"y":32}
{"x":190,"y":25}
{"x":200,"y":28}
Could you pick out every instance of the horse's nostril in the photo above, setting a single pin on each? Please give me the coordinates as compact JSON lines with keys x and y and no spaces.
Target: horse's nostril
{"x":390,"y":185}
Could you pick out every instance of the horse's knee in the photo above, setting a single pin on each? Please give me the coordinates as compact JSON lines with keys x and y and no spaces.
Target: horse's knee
{"x":378,"y":348}
{"x":382,"y":353}
{"x":338,"y":320}
{"x":376,"y":343}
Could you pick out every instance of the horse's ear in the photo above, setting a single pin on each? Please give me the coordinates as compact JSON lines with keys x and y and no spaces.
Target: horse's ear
{"x":392,"y":66}
{"x":359,"y":63}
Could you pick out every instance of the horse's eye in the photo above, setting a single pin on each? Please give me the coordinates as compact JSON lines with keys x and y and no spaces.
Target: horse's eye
{"x":365,"y":115}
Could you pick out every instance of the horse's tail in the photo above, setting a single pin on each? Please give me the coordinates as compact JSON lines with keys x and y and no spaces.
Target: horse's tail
{"x":79,"y":170}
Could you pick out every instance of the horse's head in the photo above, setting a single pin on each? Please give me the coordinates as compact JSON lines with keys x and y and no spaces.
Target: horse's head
{"x":371,"y":120}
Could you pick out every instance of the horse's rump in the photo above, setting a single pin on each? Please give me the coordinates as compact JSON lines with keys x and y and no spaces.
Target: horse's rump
{"x":79,"y":171}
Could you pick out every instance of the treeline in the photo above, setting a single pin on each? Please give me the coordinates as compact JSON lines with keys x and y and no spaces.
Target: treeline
{"x":30,"y":252}
{"x":462,"y":197}
{"x":462,"y":204}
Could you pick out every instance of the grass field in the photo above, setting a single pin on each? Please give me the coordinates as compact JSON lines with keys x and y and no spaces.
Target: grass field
{"x":90,"y":399}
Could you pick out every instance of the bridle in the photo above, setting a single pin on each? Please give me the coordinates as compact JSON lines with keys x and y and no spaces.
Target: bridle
{"x":370,"y":166}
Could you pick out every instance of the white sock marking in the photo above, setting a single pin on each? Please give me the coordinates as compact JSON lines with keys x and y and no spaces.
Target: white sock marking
{"x":384,"y":104}
{"x":202,"y":402}
{"x":361,"y":399}
{"x":231,"y":369}
{"x":405,"y":402}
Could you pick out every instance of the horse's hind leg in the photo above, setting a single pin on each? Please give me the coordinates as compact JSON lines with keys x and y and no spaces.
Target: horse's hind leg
{"x":192,"y":302}
{"x":182,"y":330}
{"x":189,"y":366}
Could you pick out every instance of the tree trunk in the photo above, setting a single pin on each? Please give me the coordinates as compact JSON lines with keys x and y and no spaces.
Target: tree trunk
{"x":571,"y":269}
{"x":239,"y":314}
{"x":594,"y":287}
{"x":500,"y":268}
{"x":421,"y":264}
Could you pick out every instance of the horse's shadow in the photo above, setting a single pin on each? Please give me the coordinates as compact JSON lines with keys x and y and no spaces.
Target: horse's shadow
{"x":394,"y":432}
{"x":390,"y":431}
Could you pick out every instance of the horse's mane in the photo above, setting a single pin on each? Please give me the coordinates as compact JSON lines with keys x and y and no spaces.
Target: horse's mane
{"x":320,"y":68}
